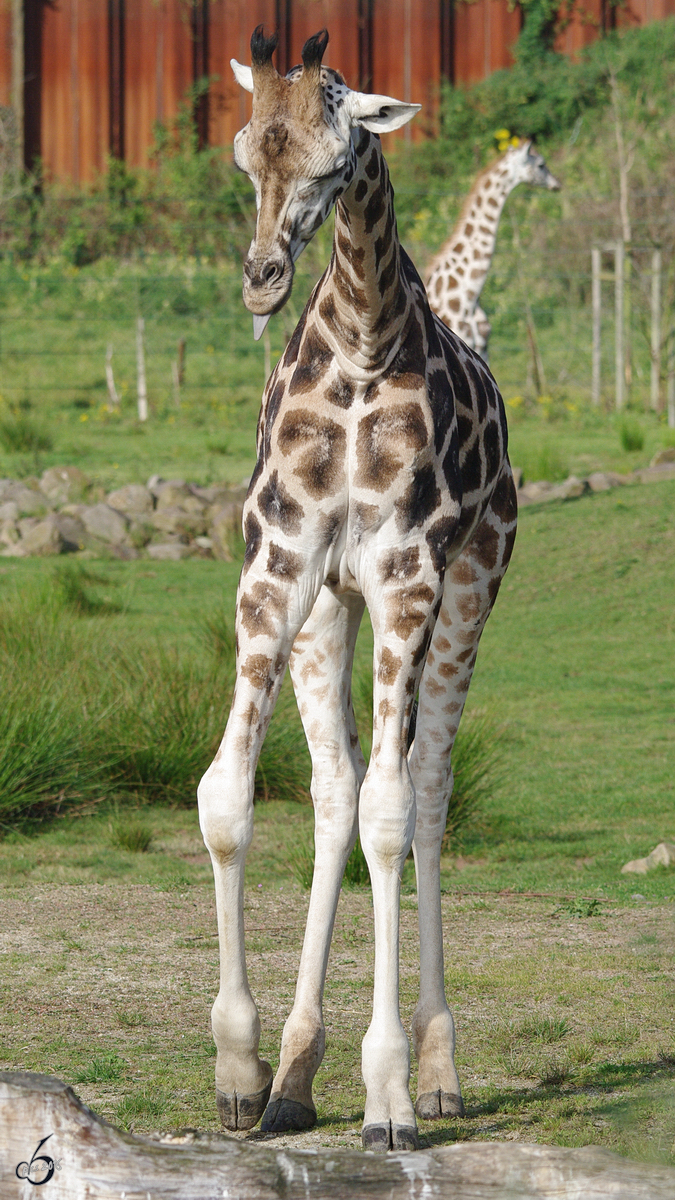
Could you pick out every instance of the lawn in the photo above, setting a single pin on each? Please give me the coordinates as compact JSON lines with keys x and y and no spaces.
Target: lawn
{"x":559,"y":968}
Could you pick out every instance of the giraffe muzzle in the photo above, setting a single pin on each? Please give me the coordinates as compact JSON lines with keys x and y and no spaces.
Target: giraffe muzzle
{"x":267,"y":284}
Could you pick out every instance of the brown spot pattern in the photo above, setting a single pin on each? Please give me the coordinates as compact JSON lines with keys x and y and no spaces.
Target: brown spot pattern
{"x":283,"y":563}
{"x":390,"y":665}
{"x":407,"y":608}
{"x":322,"y":442}
{"x":260,"y":608}
{"x":381,"y":438}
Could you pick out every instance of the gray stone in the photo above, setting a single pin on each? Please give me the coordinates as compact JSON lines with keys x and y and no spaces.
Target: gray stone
{"x":225,"y":523}
{"x":534,"y":492}
{"x":72,"y":531}
{"x":30,"y":501}
{"x":26,"y":524}
{"x":667,"y":455}
{"x":15,"y":551}
{"x":133,"y":499}
{"x":570,"y":489}
{"x":599,"y":482}
{"x":176,"y":520}
{"x":5,"y":485}
{"x":169,"y":551}
{"x":9,"y":534}
{"x":656,"y":474}
{"x":62,"y":485}
{"x":9,"y":511}
{"x":662,"y":855}
{"x":44,"y":539}
{"x":204,"y":543}
{"x":174,"y":496}
{"x":106,"y":523}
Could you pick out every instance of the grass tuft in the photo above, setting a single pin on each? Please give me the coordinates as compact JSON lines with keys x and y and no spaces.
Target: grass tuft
{"x":631,"y":436}
{"x":130,"y":833}
{"x":19,"y":434}
{"x":105,"y":1069}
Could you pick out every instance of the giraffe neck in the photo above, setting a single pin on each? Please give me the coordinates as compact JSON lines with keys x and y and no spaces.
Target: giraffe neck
{"x":467,"y":254}
{"x":364,"y":302}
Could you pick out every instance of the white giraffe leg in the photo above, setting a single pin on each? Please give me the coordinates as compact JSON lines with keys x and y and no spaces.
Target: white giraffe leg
{"x":470,"y":591}
{"x":269,"y":615}
{"x":321,"y":670}
{"x":386,"y":825}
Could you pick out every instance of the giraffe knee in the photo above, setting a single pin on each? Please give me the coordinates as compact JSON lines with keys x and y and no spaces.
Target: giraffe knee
{"x":386,"y":826}
{"x":225,"y":815}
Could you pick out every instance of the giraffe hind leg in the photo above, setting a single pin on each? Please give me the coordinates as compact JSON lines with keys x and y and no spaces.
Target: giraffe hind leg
{"x":471,"y":586}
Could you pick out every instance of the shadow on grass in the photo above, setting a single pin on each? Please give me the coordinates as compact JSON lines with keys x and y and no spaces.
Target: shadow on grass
{"x":588,"y":1081}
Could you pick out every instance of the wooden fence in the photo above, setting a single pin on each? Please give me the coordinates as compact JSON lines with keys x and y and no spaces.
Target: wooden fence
{"x":91,"y":78}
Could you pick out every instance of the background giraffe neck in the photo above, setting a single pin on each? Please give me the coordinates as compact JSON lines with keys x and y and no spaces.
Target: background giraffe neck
{"x":468,"y":251}
{"x":367,"y":303}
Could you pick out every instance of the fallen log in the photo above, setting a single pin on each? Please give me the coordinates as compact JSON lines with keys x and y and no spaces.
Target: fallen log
{"x":48,"y":1137}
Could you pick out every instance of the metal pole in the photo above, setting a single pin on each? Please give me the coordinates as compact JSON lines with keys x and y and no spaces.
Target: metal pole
{"x":670,"y":384}
{"x":596,"y":297}
{"x":619,"y":363}
{"x":655,"y":375}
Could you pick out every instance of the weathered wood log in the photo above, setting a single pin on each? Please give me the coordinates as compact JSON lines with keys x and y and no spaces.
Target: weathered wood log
{"x":91,"y":1160}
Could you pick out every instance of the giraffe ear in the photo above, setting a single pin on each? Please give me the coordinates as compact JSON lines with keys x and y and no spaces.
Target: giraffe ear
{"x":379,"y":114}
{"x":242,"y":74}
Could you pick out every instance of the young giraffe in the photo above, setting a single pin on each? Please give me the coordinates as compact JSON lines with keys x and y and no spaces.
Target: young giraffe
{"x":456,"y":275}
{"x":382,"y":479}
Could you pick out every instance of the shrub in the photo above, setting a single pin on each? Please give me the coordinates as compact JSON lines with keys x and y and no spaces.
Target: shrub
{"x":19,"y":434}
{"x":631,"y":435}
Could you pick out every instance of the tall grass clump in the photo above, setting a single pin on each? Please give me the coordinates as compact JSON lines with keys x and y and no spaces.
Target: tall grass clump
{"x":631,"y":435}
{"x":19,"y":434}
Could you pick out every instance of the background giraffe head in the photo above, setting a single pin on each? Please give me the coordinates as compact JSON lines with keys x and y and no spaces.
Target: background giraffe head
{"x":526,"y":165}
{"x":298,"y":150}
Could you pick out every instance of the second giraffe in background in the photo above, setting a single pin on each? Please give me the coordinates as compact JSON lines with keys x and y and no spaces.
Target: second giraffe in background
{"x":456,"y":275}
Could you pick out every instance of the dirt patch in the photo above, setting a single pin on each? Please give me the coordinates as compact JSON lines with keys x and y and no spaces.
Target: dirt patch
{"x":110,"y":986}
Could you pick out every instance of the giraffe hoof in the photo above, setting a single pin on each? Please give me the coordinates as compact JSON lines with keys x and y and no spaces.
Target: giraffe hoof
{"x":384,"y":1137}
{"x":432,"y":1106}
{"x":284,"y":1116}
{"x":242,"y":1112}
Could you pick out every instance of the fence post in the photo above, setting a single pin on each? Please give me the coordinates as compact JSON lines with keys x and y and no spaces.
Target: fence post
{"x":670,"y":384}
{"x":140,"y":367}
{"x":619,"y":363}
{"x":655,"y":374}
{"x":596,"y":296}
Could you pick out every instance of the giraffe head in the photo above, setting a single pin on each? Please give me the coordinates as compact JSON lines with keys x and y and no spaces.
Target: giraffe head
{"x":526,"y":165}
{"x":298,"y":149}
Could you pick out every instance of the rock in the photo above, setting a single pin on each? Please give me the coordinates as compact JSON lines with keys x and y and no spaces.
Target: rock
{"x":15,"y":551}
{"x":176,"y":520}
{"x":62,"y":485}
{"x":667,"y":455}
{"x":5,"y":485}
{"x":155,"y":484}
{"x":29,"y":501}
{"x":570,"y":489}
{"x":517,"y":476}
{"x":44,"y":539}
{"x":124,"y":552}
{"x":104,"y":522}
{"x":9,"y":534}
{"x":536,"y":491}
{"x":599,"y":482}
{"x":72,"y":531}
{"x":174,"y":496}
{"x":204,"y":543}
{"x":225,"y":522}
{"x":170,"y":551}
{"x":140,"y":533}
{"x":133,"y":500}
{"x":656,"y":474}
{"x":662,"y":855}
{"x":9,"y":511}
{"x":26,"y":524}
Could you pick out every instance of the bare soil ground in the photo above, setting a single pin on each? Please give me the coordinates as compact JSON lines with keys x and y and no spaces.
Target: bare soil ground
{"x":566,"y":1023}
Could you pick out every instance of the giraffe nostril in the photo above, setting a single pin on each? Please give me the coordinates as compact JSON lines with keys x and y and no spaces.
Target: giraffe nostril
{"x":271,"y":272}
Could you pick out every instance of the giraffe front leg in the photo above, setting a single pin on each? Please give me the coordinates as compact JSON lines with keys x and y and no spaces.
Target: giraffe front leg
{"x":269,"y":614}
{"x":402,"y":623}
{"x":321,"y":670}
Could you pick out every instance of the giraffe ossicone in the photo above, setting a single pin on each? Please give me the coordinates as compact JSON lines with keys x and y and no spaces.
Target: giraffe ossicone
{"x":456,"y":275}
{"x":382,"y":478}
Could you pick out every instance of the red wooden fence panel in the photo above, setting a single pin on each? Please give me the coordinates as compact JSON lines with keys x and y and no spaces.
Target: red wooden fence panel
{"x":100,"y":74}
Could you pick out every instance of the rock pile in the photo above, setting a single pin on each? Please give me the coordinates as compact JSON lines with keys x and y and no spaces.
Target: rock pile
{"x":62,"y":513}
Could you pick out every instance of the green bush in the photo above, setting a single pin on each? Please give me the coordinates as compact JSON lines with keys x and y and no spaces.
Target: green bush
{"x":631,"y":436}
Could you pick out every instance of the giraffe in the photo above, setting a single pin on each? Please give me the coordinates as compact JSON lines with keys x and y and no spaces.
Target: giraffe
{"x":382,"y":479}
{"x":456,"y":275}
